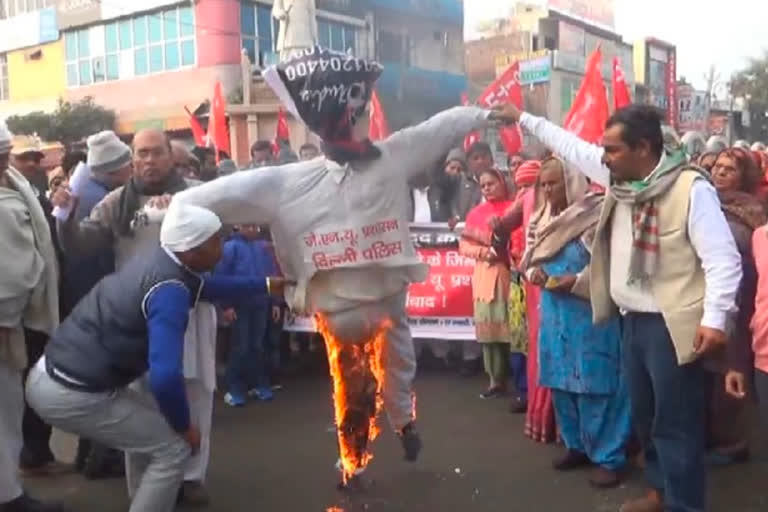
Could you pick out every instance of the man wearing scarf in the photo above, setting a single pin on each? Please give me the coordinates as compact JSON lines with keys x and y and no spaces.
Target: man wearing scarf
{"x":340,"y":223}
{"x":128,"y":221}
{"x":28,"y":301}
{"x":665,"y":257}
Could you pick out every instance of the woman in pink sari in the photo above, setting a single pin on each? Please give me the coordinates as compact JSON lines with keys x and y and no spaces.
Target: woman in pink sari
{"x":540,"y":417}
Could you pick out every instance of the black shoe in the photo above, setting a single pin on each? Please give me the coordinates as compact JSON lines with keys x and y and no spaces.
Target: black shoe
{"x":518,"y":405}
{"x":494,"y":392}
{"x":571,"y":460}
{"x":26,"y":504}
{"x":411,"y":442}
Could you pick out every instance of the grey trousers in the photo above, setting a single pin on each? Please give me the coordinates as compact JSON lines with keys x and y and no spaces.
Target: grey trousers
{"x":11,"y":440}
{"x":399,"y":358}
{"x":123,"y":420}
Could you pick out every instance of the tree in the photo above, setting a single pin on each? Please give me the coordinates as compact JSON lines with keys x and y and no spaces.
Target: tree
{"x":69,"y":123}
{"x":752,"y":83}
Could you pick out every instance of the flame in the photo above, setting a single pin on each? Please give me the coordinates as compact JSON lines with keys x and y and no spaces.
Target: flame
{"x":358,"y":378}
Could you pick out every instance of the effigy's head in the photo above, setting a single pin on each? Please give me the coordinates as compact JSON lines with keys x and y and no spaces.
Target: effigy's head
{"x":329,"y":91}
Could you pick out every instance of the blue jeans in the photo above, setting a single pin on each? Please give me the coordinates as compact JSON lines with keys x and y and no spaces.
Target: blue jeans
{"x":249,"y":354}
{"x":669,"y":411}
{"x":518,"y":364}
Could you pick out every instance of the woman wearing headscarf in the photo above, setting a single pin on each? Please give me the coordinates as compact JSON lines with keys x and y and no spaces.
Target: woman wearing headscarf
{"x":526,"y":175}
{"x":707,"y":160}
{"x":540,"y":416}
{"x":736,"y":177}
{"x":491,"y":278}
{"x":579,"y":361}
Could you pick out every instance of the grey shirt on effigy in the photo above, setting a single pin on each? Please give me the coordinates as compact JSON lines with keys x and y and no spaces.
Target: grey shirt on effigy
{"x":341,"y":232}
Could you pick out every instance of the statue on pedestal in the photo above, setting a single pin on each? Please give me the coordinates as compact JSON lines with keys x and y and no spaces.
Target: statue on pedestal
{"x":298,"y":25}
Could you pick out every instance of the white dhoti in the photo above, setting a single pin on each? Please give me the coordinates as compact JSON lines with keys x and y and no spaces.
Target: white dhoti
{"x":200,"y":381}
{"x":11,"y":440}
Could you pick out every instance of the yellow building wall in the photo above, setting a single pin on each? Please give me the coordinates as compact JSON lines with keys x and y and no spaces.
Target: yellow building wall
{"x":639,"y":55}
{"x":32,"y":80}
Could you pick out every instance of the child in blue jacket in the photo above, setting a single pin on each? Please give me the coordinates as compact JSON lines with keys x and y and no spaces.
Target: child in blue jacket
{"x":252,"y":358}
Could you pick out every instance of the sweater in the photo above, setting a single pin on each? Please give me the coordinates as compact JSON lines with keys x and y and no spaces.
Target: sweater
{"x":247,"y":258}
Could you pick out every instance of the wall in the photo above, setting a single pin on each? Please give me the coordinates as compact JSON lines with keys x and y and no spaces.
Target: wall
{"x":41,"y":79}
{"x":480,"y":56}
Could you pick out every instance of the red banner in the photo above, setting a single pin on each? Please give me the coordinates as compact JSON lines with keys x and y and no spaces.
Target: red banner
{"x":589,"y":112}
{"x":473,"y":137}
{"x":447,"y":292}
{"x":621,"y":97}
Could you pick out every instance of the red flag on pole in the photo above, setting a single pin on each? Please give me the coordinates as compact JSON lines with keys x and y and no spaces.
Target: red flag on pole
{"x":197,"y":130}
{"x":506,"y":89}
{"x":621,"y":96}
{"x":283,"y":133}
{"x":378,"y":128}
{"x":218,"y":131}
{"x":589,"y":112}
{"x":473,"y":136}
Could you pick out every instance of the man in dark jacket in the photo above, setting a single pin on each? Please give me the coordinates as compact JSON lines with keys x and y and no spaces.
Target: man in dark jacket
{"x":131,"y":323}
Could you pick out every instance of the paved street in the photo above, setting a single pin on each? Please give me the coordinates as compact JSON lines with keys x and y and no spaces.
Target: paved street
{"x":279,"y":456}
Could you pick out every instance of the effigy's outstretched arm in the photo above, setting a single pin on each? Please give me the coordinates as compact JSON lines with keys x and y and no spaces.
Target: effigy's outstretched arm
{"x":246,"y":197}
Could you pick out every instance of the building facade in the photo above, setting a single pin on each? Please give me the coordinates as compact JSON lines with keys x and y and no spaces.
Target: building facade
{"x":655,"y":64}
{"x":149,"y":59}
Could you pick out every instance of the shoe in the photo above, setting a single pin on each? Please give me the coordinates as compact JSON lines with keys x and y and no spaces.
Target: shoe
{"x":26,"y":504}
{"x":103,"y":462}
{"x":494,"y":392}
{"x":571,"y":460}
{"x":411,"y":442}
{"x":518,"y":405}
{"x":193,"y":494}
{"x":234,"y":400}
{"x":262,"y":394}
{"x":277,"y":387}
{"x":604,"y":478}
{"x":652,"y":502}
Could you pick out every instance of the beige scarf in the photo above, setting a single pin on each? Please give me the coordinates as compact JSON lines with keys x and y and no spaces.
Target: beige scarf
{"x":29,"y":295}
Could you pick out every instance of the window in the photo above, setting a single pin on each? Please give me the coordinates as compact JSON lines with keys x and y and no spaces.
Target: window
{"x":259,"y":33}
{"x":4,"y":77}
{"x":140,"y":45}
{"x":11,"y":8}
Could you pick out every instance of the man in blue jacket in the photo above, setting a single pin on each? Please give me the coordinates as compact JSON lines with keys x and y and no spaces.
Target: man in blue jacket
{"x":131,"y":323}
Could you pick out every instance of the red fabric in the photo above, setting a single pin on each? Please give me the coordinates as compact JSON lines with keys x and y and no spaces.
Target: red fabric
{"x":197,"y":130}
{"x":477,"y":219}
{"x":282,"y":132}
{"x":540,"y":418}
{"x":472,"y":137}
{"x":589,"y":112}
{"x":527,"y":173}
{"x":378,"y":128}
{"x":505,"y":90}
{"x":218,"y":131}
{"x":621,"y":96}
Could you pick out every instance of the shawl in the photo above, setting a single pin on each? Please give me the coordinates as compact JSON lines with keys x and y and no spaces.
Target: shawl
{"x":744,"y":208}
{"x":477,"y":228}
{"x":29,"y":293}
{"x":579,"y":219}
{"x":129,"y":202}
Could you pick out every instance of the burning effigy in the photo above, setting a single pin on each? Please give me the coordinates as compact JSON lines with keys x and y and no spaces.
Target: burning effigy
{"x":340,"y":226}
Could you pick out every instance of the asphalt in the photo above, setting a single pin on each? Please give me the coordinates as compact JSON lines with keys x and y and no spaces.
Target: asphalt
{"x":279,"y":457}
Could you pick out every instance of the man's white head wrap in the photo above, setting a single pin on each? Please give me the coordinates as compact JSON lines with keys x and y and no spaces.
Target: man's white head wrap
{"x":187,"y":227}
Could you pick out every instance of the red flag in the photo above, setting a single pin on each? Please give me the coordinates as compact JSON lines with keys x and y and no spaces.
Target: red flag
{"x":506,"y":89}
{"x":283,"y":133}
{"x":473,"y":136}
{"x":378,"y":128}
{"x":621,"y":96}
{"x":589,"y":112}
{"x":197,"y":130}
{"x":218,"y":131}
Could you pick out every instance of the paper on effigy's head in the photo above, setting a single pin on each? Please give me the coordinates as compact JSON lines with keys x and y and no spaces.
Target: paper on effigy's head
{"x":79,"y":178}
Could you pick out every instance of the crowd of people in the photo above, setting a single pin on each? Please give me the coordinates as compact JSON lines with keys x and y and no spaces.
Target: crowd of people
{"x":619,"y":297}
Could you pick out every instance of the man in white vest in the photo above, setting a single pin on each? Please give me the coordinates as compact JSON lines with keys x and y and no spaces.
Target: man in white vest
{"x":298,"y":25}
{"x":340,"y":223}
{"x":665,"y":258}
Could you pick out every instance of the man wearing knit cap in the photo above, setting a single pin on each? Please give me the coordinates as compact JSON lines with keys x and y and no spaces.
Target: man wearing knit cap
{"x":127,"y":221}
{"x":28,"y":300}
{"x":133,"y":322}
